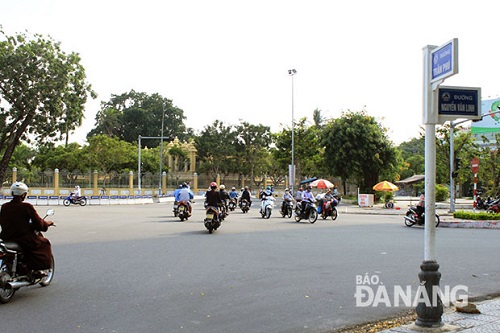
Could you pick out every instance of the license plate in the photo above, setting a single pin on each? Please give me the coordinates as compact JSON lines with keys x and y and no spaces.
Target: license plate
{"x":210,"y":216}
{"x":181,"y":208}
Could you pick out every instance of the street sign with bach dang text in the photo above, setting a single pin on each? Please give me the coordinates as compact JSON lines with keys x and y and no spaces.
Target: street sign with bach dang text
{"x":458,"y":102}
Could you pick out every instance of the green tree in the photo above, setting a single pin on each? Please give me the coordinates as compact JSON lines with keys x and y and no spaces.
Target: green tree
{"x":43,"y":91}
{"x":131,"y":114}
{"x":413,"y":155}
{"x":216,"y":149}
{"x":357,"y":148}
{"x":106,"y":153}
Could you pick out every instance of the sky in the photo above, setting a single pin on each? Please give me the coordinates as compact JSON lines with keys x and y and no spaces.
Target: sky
{"x":229,"y":59}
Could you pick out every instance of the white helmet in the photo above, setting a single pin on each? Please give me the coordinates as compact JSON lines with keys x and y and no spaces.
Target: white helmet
{"x":19,"y":188}
{"x":222,"y":186}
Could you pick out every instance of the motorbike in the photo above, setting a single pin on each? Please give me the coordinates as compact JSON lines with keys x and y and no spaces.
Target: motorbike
{"x":480,"y":204}
{"x":71,"y":199}
{"x":310,"y":212}
{"x":175,"y":210}
{"x":232,"y":204}
{"x":14,"y":273}
{"x":244,"y":205}
{"x":493,"y":207}
{"x":267,"y":206}
{"x":183,"y":210}
{"x":330,"y":209}
{"x":412,"y":217}
{"x":287,"y":208}
{"x":212,"y":219}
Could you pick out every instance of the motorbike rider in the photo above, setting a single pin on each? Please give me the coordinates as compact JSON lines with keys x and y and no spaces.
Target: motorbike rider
{"x":224,"y":197}
{"x":246,"y":196}
{"x":329,"y":197}
{"x":307,"y":197}
{"x":287,"y":197}
{"x":213,"y":198}
{"x":19,"y":221}
{"x":420,"y":207}
{"x":185,"y":194}
{"x":298,"y":195}
{"x":233,"y":195}
{"x":77,"y":193}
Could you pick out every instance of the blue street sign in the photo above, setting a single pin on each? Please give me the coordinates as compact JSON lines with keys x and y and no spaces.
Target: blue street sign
{"x":459,"y":102}
{"x":445,"y":61}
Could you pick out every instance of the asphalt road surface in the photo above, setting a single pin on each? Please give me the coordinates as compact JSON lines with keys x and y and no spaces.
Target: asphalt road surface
{"x":139,"y":269}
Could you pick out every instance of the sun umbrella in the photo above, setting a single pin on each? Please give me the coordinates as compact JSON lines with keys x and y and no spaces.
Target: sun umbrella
{"x":385,"y":186}
{"x":322,"y":183}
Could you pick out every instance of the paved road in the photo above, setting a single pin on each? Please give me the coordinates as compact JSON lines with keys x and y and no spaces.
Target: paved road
{"x":139,"y":269}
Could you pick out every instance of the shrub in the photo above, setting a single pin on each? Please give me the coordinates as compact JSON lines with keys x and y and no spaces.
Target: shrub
{"x":481,"y":216}
{"x":441,"y":193}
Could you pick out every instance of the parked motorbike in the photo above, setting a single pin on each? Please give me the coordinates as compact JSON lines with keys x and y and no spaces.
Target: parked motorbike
{"x":212,"y":219}
{"x":267,"y":206}
{"x":412,"y":217}
{"x":481,"y":204}
{"x":286,"y":208}
{"x":330,"y":209}
{"x":183,"y":210}
{"x":494,"y":208}
{"x":310,"y":212}
{"x":232,"y":204}
{"x":244,"y":205}
{"x":71,"y":199}
{"x":14,"y":273}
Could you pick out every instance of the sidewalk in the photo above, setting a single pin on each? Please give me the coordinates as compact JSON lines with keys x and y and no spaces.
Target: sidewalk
{"x":488,"y":321}
{"x":442,"y":208}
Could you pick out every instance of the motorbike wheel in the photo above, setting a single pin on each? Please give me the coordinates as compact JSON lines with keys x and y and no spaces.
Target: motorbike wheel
{"x":297,"y":215}
{"x":83,"y":201}
{"x":407,"y":222}
{"x":289,"y":212}
{"x":335,"y":213}
{"x":268,"y":213}
{"x":437,"y":220}
{"x":49,"y":274}
{"x":6,"y":293}
{"x":313,"y":216}
{"x":66,"y":202}
{"x":323,"y":215}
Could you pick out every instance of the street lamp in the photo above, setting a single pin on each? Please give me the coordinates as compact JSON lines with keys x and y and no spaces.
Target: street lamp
{"x":161,"y":149}
{"x":292,"y":72}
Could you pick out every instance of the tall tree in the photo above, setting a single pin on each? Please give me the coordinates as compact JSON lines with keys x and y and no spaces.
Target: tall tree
{"x":131,"y":114}
{"x":357,"y":148}
{"x":43,"y":91}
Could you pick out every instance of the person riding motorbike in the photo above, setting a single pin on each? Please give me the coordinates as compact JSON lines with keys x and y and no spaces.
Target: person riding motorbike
{"x":19,"y":221}
{"x":246,"y":196}
{"x":77,"y":193}
{"x":298,"y":195}
{"x":420,"y":207}
{"x":185,"y":194}
{"x":287,"y":197}
{"x":213,"y":198}
{"x":307,"y":197}
{"x":224,"y":197}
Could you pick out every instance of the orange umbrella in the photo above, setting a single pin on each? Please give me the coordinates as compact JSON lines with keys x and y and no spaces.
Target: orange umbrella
{"x":322,"y":183}
{"x":385,"y":186}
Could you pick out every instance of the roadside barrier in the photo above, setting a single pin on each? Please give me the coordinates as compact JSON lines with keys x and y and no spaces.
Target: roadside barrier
{"x":94,"y":200}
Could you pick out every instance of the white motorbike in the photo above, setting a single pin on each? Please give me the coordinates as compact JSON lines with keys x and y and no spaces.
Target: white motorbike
{"x":266,"y":207}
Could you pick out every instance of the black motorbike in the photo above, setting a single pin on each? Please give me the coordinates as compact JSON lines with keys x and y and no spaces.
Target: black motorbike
{"x":232,"y":204}
{"x":286,"y":208}
{"x":329,"y":209}
{"x":212,"y":219}
{"x":244,"y":205}
{"x":413,"y":217}
{"x":71,"y":199}
{"x":14,"y":274}
{"x":309,"y":213}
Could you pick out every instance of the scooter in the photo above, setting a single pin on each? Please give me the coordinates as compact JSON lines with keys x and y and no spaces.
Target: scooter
{"x":330,"y":209}
{"x":212,"y":219}
{"x":244,"y":205}
{"x":183,"y":210}
{"x":232,"y":204}
{"x":71,"y":199}
{"x":412,"y":217}
{"x":267,"y":206}
{"x":287,"y":208}
{"x":310,"y":212}
{"x":14,"y":273}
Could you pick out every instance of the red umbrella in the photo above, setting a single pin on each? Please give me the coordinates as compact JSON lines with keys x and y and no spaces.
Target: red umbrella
{"x":322,"y":183}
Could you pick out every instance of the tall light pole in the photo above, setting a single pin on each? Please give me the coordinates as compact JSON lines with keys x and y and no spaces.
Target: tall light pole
{"x":161,"y":149}
{"x":292,"y":72}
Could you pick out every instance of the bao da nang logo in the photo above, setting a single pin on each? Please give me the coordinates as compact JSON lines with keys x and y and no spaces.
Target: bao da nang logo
{"x":370,"y":291}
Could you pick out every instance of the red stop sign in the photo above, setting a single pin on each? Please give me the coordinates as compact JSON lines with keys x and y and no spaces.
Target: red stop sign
{"x":475,"y":165}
